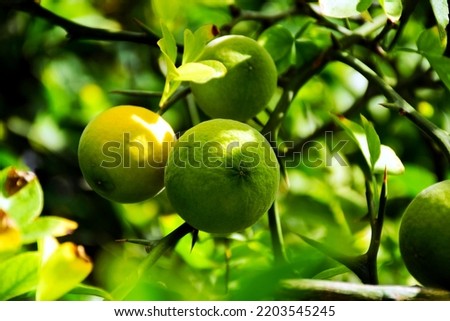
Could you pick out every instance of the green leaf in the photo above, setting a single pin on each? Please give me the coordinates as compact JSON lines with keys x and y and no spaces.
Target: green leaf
{"x":194,"y":43}
{"x":392,"y":9}
{"x":339,"y":8}
{"x":441,"y":12}
{"x":305,"y":51}
{"x":441,"y":65}
{"x":386,"y":70}
{"x":21,"y":195}
{"x":388,"y":159}
{"x":373,"y":141}
{"x":170,"y":87}
{"x":188,"y":71}
{"x":200,"y":72}
{"x":167,"y":44}
{"x":84,"y":289}
{"x":363,"y":5}
{"x":19,"y":275}
{"x":429,"y":42}
{"x":278,"y":41}
{"x":169,"y":51}
{"x":47,"y":226}
{"x":358,"y":134}
{"x":332,"y":272}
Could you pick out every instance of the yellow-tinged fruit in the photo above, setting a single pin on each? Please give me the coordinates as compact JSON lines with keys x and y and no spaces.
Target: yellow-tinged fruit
{"x":123,"y":151}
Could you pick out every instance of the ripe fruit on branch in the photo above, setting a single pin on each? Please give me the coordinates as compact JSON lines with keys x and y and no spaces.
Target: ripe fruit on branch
{"x":425,"y":236}
{"x":222,"y":176}
{"x":248,"y":85}
{"x":123,"y":151}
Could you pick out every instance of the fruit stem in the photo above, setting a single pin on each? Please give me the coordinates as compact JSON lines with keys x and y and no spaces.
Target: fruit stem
{"x":276,"y":235}
{"x":166,"y":243}
{"x":181,"y":93}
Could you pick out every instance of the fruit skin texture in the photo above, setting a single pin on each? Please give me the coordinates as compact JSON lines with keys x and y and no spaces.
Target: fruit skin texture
{"x":222,"y":176}
{"x":123,"y":151}
{"x":425,"y":236}
{"x":248,"y":85}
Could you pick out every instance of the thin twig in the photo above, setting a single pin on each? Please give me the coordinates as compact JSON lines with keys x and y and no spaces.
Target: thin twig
{"x":440,"y":137}
{"x":300,"y":77}
{"x":181,"y":93}
{"x":77,"y":31}
{"x":276,"y":235}
{"x":376,"y":224}
{"x":162,"y":246}
{"x":137,"y":93}
{"x":330,"y":125}
{"x":248,"y":15}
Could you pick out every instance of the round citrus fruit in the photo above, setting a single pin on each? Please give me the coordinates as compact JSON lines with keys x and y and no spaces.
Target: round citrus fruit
{"x":248,"y":85}
{"x":123,"y":151}
{"x":222,"y":176}
{"x":425,"y":236}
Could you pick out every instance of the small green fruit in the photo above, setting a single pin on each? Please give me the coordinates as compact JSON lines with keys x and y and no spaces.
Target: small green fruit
{"x":222,"y":176}
{"x":248,"y":85}
{"x":425,"y":236}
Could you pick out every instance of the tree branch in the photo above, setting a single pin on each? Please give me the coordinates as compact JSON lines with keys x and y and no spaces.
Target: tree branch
{"x":77,"y":31}
{"x":246,"y":15}
{"x":440,"y":137}
{"x":322,"y":290}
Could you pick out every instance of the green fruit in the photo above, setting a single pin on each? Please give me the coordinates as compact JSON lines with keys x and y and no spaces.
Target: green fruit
{"x":425,"y":236}
{"x":123,"y":151}
{"x":248,"y":85}
{"x":222,"y":176}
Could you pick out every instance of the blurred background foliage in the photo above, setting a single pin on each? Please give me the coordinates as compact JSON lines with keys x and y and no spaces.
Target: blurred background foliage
{"x":53,"y":86}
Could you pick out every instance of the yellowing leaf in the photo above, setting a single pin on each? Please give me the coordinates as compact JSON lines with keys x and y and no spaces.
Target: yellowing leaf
{"x":47,"y":226}
{"x":47,"y":246}
{"x":66,"y":267}
{"x":10,"y":237}
{"x":201,"y":72}
{"x":21,"y":195}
